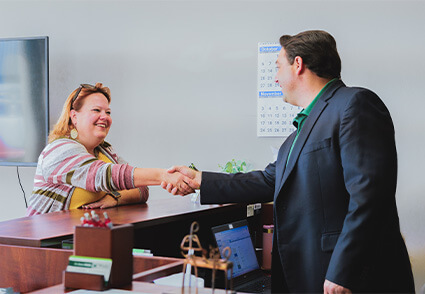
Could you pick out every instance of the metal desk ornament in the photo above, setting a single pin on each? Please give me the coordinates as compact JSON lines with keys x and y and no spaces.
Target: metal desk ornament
{"x":191,"y":245}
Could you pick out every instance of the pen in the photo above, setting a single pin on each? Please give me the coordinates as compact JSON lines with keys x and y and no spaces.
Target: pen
{"x":192,"y":166}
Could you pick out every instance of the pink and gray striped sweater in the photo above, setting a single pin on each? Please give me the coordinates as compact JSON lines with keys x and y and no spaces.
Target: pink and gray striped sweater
{"x":65,"y":164}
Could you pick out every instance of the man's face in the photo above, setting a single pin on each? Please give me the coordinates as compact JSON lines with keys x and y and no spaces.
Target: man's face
{"x":285,"y":76}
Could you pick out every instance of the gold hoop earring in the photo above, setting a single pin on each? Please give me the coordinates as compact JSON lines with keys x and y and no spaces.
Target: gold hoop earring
{"x":74,"y":134}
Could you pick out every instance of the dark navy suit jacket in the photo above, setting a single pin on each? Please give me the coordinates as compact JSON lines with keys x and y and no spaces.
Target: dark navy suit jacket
{"x":335,"y":211}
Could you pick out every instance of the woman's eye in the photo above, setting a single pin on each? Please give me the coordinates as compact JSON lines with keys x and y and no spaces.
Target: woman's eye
{"x":108,"y":113}
{"x":97,"y":110}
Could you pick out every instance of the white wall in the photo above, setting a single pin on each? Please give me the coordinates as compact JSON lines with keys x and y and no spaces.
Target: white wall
{"x":183,"y":79}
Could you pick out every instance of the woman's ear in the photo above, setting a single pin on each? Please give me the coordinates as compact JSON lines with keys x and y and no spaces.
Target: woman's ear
{"x":73,"y":117}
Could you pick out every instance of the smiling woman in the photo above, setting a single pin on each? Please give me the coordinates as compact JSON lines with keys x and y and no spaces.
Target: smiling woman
{"x":78,"y":169}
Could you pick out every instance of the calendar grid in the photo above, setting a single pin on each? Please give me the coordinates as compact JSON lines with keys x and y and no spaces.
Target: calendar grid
{"x":274,"y":116}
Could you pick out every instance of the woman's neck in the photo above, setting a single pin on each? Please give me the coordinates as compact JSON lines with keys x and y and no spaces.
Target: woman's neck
{"x":90,"y":148}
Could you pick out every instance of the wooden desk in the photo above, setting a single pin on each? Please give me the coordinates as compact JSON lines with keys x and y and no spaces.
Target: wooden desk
{"x":150,"y":220}
{"x":160,"y":225}
{"x":28,"y":268}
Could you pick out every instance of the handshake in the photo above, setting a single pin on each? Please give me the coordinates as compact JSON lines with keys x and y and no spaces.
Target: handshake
{"x":181,"y":180}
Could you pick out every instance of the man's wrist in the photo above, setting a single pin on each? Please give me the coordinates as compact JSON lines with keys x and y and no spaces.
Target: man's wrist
{"x":199,"y":179}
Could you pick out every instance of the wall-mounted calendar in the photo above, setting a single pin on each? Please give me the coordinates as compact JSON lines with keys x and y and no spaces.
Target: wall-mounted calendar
{"x":274,"y":116}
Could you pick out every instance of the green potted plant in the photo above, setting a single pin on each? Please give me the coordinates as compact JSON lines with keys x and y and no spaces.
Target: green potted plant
{"x":234,"y":166}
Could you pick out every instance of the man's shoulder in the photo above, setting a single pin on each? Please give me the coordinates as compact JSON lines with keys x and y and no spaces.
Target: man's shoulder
{"x":338,"y":92}
{"x":358,"y":100}
{"x":353,"y":91}
{"x":349,"y":95}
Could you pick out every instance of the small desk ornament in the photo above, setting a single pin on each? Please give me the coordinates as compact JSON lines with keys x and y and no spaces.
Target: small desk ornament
{"x":191,"y":245}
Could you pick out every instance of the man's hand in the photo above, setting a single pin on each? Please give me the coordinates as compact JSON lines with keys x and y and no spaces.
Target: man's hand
{"x":193,"y":179}
{"x":332,"y":288}
{"x":177,"y":183}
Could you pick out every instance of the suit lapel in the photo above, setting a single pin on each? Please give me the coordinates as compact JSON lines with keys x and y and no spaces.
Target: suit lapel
{"x":281,"y":159}
{"x":306,"y":130}
{"x":302,"y":138}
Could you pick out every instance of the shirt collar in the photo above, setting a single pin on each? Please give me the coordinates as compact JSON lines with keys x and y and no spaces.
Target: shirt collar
{"x":301,"y":116}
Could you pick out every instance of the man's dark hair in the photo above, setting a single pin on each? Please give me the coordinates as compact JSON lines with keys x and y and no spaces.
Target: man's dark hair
{"x":318,"y":51}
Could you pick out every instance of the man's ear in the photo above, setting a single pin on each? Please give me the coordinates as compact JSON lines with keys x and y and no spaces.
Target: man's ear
{"x":299,"y":64}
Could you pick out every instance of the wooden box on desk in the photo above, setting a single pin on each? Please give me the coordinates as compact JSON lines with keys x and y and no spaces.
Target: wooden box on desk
{"x":115,"y":243}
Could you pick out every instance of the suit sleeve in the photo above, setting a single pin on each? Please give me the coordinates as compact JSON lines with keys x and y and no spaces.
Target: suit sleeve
{"x":252,"y":187}
{"x":369,"y":162}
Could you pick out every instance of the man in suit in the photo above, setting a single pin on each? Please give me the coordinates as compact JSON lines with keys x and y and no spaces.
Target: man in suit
{"x":333,"y":183}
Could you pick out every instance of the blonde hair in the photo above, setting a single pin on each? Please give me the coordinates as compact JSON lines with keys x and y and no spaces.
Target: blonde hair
{"x":64,"y":124}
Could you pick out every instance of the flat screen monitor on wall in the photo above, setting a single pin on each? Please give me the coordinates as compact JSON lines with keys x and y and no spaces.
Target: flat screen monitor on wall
{"x":24,"y":99}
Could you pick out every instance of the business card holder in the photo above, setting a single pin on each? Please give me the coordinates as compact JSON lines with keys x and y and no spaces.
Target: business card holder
{"x":115,"y":243}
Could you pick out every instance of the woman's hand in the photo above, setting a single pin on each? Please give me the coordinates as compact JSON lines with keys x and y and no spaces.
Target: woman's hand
{"x":193,"y":178}
{"x":106,"y":202}
{"x":178,"y":183}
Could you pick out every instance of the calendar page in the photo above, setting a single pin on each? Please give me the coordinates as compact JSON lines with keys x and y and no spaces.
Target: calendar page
{"x":274,"y":116}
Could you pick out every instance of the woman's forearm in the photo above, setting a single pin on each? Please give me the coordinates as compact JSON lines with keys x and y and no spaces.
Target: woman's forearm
{"x":133,"y":196}
{"x":148,"y":176}
{"x":158,"y":176}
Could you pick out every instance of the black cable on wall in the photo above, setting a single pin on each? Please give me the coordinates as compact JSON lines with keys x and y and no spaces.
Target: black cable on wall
{"x":22,"y":188}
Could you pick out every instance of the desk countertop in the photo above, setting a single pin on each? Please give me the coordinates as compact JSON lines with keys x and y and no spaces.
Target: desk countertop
{"x":39,"y":230}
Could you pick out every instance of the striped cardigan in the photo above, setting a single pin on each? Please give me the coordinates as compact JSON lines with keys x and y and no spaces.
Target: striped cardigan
{"x":65,"y":164}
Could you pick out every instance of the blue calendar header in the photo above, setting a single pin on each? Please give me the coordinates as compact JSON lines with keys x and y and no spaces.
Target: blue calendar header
{"x":269,"y":94}
{"x":270,"y":49}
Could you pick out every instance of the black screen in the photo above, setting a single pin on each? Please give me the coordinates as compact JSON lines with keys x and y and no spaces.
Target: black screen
{"x":24,"y":96}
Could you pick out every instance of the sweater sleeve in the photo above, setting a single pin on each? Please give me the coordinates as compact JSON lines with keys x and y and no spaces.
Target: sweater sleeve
{"x":66,"y":161}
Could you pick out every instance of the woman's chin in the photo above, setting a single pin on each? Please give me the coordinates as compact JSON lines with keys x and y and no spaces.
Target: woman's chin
{"x":101,"y":137}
